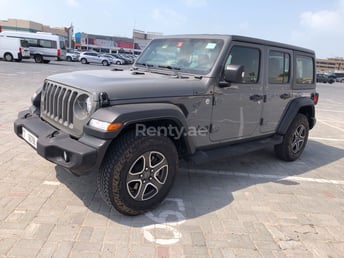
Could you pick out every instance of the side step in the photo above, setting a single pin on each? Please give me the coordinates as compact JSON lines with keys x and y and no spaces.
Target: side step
{"x":204,"y":156}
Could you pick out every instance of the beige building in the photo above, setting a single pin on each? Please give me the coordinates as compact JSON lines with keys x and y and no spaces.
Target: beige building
{"x":330,"y":65}
{"x":30,"y":26}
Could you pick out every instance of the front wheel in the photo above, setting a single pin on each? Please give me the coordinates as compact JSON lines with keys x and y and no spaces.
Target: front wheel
{"x":105,"y":63}
{"x":83,"y":61}
{"x":295,"y":140}
{"x":137,"y":172}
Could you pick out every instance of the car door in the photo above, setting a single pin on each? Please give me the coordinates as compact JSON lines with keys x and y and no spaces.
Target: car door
{"x":277,"y":88}
{"x":237,"y":106}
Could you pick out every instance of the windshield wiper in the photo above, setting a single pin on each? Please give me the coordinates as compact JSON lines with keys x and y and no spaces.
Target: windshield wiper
{"x":144,"y":64}
{"x":170,"y":67}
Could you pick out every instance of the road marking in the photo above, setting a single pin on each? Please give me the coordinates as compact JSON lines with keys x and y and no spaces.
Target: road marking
{"x":335,"y":127}
{"x":326,"y":139}
{"x":274,"y":177}
{"x":51,"y":183}
{"x":328,"y":110}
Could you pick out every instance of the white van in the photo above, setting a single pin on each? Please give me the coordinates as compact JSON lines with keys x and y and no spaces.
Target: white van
{"x":44,"y":47}
{"x":13,"y":49}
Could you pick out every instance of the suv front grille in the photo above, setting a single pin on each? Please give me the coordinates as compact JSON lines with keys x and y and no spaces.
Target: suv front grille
{"x":57,"y":103}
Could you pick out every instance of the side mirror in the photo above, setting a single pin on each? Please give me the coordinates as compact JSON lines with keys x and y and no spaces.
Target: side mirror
{"x":234,"y":73}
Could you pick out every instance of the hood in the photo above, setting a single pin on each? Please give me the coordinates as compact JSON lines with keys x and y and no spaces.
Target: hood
{"x":121,"y":85}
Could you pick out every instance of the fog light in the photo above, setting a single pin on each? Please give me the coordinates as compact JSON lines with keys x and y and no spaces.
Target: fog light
{"x":65,"y":156}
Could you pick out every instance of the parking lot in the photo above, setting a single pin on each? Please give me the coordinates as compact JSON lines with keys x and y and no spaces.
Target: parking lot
{"x":248,"y":206}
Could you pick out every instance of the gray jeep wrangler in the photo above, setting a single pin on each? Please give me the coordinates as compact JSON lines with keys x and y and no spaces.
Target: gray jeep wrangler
{"x":195,"y":97}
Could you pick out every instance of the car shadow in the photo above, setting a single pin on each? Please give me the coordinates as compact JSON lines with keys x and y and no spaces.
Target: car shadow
{"x":207,"y":188}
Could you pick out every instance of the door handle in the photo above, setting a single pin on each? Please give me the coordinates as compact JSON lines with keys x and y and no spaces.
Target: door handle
{"x":256,"y":97}
{"x":285,"y":96}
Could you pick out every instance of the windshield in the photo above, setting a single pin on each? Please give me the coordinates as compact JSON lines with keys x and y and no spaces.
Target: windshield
{"x":185,"y":55}
{"x":62,"y":45}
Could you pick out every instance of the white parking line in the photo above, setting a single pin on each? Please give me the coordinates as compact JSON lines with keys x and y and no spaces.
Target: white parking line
{"x":329,"y":110}
{"x":326,"y":139}
{"x":333,"y":126}
{"x":274,"y":177}
{"x":51,"y":183}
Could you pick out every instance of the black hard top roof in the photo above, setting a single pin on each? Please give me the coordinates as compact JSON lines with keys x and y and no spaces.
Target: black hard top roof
{"x":242,"y":39}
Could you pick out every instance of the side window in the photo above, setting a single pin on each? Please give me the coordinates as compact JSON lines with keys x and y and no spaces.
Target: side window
{"x":45,"y":43}
{"x":279,"y":67}
{"x":248,"y":57}
{"x":304,"y":69}
{"x":33,"y":42}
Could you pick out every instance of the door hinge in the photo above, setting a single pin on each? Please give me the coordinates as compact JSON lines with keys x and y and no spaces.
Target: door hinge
{"x":213,"y":101}
{"x":261,"y":121}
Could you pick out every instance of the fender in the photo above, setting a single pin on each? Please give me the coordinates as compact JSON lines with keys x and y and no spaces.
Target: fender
{"x":293,"y":108}
{"x":130,"y":114}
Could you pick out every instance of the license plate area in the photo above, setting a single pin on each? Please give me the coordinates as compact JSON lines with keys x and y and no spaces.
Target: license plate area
{"x":29,"y":137}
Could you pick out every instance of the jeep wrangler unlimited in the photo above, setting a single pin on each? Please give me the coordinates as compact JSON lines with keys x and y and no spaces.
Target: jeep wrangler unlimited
{"x":190,"y":96}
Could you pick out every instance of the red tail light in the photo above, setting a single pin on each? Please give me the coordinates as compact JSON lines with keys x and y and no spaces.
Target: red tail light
{"x":59,"y":52}
{"x":20,"y":50}
{"x":315,"y":97}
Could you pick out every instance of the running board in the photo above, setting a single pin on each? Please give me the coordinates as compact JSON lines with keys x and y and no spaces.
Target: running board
{"x":204,"y":156}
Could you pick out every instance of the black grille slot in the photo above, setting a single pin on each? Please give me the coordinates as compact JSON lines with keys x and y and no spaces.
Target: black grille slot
{"x":57,"y":103}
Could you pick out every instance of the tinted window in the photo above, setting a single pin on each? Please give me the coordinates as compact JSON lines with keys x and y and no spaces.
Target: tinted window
{"x":33,"y":42}
{"x":249,"y":58}
{"x":24,"y":43}
{"x":279,"y":66}
{"x":304,"y":70}
{"x":47,"y":43}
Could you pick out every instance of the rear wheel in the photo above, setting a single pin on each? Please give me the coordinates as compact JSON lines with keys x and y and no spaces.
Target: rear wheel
{"x":8,"y":57}
{"x":137,"y":172}
{"x":69,"y":59}
{"x":118,"y":62}
{"x":38,"y":59}
{"x":295,"y":140}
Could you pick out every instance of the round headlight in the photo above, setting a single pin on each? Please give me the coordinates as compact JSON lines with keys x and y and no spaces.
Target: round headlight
{"x":82,"y":106}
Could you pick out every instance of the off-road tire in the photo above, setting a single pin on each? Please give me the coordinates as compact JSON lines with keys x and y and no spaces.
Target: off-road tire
{"x":121,"y":157}
{"x":295,"y":140}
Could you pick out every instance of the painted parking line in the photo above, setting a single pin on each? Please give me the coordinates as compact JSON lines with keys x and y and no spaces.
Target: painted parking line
{"x":273,"y":177}
{"x":326,"y":139}
{"x":51,"y":183}
{"x":333,"y":126}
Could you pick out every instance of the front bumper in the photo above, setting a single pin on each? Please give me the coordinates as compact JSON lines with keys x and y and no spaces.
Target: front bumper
{"x":60,"y":148}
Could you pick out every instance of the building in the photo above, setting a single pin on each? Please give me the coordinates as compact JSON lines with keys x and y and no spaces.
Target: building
{"x":31,"y":26}
{"x":330,"y":65}
{"x":108,"y":44}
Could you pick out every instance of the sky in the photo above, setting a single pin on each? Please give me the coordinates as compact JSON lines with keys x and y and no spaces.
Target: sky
{"x":314,"y":24}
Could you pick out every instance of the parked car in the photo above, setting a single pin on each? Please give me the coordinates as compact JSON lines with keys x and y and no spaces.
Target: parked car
{"x":115,"y":60}
{"x":125,"y":61}
{"x":324,"y":78}
{"x":340,"y":79}
{"x":132,"y":127}
{"x":72,"y":55}
{"x":94,"y":57}
{"x":13,"y":49}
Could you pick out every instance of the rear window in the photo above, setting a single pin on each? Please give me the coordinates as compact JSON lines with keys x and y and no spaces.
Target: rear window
{"x":304,"y":70}
{"x":24,"y":43}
